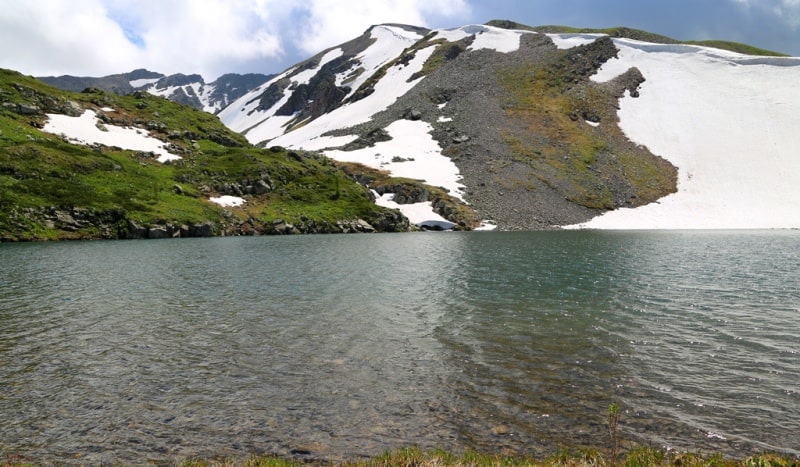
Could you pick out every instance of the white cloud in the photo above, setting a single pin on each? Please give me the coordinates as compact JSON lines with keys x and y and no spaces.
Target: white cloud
{"x":787,"y":11}
{"x":47,"y":37}
{"x":211,"y":37}
{"x":332,"y":22}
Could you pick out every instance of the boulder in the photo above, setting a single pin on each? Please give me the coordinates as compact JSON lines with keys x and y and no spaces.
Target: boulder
{"x":205,"y":229}
{"x":159,"y":231}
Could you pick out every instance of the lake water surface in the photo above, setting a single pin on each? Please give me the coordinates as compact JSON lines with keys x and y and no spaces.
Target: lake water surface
{"x":332,"y":347}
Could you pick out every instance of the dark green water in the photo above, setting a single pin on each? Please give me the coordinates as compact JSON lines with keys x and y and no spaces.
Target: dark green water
{"x":343,"y":346}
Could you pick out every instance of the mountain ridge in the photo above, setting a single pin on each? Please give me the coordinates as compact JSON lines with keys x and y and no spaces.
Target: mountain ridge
{"x":557,"y":160}
{"x":552,"y":201}
{"x":484,"y":126}
{"x":191,"y":90}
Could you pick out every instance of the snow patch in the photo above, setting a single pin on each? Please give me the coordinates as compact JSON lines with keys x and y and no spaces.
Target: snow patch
{"x":260,"y":125}
{"x":486,"y":37}
{"x":137,"y":83}
{"x":412,"y":153}
{"x":227,"y":200}
{"x":393,"y":85}
{"x":389,"y":42}
{"x":486,"y":225}
{"x":419,"y":214}
{"x":568,"y":41}
{"x":85,"y":130}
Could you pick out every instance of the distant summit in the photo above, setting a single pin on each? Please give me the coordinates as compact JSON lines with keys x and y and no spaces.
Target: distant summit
{"x":190,"y":90}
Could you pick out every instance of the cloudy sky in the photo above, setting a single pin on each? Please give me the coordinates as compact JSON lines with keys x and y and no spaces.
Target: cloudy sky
{"x":212,"y":37}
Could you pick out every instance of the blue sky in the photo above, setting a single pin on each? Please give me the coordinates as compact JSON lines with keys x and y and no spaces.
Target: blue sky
{"x":212,"y":37}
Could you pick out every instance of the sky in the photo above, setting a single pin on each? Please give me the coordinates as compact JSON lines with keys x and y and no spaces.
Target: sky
{"x":213,"y":37}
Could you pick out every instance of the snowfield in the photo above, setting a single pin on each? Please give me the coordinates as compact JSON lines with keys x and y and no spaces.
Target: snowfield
{"x":727,"y":121}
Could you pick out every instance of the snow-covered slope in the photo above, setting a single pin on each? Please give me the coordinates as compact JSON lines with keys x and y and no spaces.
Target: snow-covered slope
{"x":728,"y":122}
{"x":386,"y":44}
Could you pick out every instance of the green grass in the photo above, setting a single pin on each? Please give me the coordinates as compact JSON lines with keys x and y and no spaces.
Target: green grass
{"x":415,"y":457}
{"x":40,"y":170}
{"x":550,"y":99}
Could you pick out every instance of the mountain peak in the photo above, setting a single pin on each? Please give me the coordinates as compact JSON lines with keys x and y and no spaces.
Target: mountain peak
{"x":516,"y":120}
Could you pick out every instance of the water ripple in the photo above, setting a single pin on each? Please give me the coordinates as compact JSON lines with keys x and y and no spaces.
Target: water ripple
{"x":349,"y":345}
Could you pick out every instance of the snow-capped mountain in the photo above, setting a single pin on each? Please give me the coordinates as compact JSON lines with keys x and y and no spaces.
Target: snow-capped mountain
{"x":536,"y":130}
{"x":190,"y":90}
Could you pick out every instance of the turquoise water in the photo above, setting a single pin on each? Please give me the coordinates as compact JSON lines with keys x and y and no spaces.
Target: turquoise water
{"x":330,"y":347}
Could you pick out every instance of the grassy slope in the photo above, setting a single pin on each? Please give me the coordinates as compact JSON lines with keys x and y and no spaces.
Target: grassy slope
{"x":594,"y":167}
{"x":40,"y":170}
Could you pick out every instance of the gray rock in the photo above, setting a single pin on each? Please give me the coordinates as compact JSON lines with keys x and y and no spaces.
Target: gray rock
{"x":205,"y":229}
{"x":135,"y":231}
{"x":28,"y":109}
{"x":159,"y":231}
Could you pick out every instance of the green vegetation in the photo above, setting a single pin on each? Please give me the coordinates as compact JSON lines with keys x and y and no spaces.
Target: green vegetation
{"x":596,"y":167}
{"x":43,"y":176}
{"x":414,"y":457}
{"x":613,"y":425}
{"x":443,"y":53}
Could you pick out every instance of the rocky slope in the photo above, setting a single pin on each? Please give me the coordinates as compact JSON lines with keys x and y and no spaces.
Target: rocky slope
{"x":514,"y":124}
{"x":190,"y":90}
{"x":518,"y":117}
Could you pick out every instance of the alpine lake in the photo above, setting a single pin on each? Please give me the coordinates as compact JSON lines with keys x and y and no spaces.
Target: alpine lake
{"x":342,"y":346}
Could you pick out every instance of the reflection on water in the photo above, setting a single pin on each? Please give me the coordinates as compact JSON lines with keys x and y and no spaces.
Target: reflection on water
{"x":343,"y":346}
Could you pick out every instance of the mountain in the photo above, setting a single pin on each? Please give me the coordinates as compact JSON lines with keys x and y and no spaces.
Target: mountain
{"x":531,"y":128}
{"x":190,"y":90}
{"x":482,"y":126}
{"x":101,"y":165}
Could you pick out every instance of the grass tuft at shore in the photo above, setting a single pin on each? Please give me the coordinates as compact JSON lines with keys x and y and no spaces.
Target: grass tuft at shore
{"x":414,"y":457}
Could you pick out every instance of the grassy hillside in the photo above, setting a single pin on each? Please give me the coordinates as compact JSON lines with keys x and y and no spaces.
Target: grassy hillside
{"x":52,"y":189}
